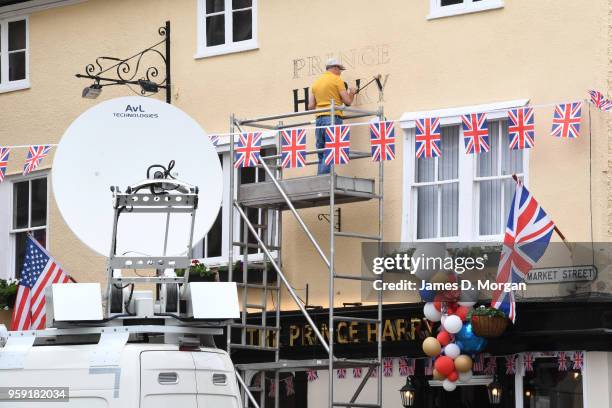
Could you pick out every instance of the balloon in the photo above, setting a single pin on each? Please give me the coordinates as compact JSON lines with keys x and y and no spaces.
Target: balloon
{"x":452,"y":350}
{"x":453,"y":376}
{"x":468,"y":341}
{"x":462,"y":312}
{"x":451,"y":308}
{"x":463,"y":363}
{"x":452,"y":324}
{"x":427,"y":295}
{"x":444,"y":365}
{"x":448,"y":385}
{"x":467,"y":304}
{"x":431,"y":347}
{"x":444,"y":337}
{"x":430,"y":312}
{"x":465,"y":377}
{"x":437,"y":375}
{"x":437,"y":304}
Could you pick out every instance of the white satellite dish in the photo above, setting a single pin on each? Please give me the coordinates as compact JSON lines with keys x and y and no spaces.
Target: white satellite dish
{"x":113,"y":144}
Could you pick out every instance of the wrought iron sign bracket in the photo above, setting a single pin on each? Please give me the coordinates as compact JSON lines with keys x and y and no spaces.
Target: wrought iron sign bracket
{"x":338,"y":218}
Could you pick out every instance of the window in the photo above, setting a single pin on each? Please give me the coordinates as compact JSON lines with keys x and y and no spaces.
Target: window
{"x":226,"y":26}
{"x":547,"y":386}
{"x":13,"y":54}
{"x":445,"y":8}
{"x":29,"y":216}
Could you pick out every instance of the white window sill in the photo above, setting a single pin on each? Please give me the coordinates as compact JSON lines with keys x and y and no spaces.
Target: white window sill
{"x":205,"y":52}
{"x":449,"y":11}
{"x":15,"y":86}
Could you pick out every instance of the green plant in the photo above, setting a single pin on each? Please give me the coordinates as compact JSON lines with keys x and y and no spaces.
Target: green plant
{"x":485,"y":311}
{"x":201,"y":269}
{"x":8,"y":293}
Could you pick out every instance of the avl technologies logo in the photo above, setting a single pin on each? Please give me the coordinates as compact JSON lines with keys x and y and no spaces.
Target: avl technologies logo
{"x":135,"y":111}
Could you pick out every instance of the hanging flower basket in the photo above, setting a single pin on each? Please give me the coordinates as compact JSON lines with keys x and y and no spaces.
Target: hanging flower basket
{"x":488,"y":322}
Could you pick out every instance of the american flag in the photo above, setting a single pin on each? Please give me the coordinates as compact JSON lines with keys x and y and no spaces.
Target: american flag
{"x":406,"y":366}
{"x":427,"y":137}
{"x":214,"y":139}
{"x":357,"y":372}
{"x":290,"y":386}
{"x":388,"y":366}
{"x":578,"y":360}
{"x":521,"y":128}
{"x":337,"y":144}
{"x":566,"y":120}
{"x":35,"y":155}
{"x":341,"y":372}
{"x":312,"y":375}
{"x":4,"y":156}
{"x":528,"y":362}
{"x":561,"y":361}
{"x":247,"y":150}
{"x":382,"y":141}
{"x":39,"y":271}
{"x":511,"y":364}
{"x":475,"y":133}
{"x":527,"y":235}
{"x":293,"y":148}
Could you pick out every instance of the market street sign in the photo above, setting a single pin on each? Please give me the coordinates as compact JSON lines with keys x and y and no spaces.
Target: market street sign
{"x":581,"y":273}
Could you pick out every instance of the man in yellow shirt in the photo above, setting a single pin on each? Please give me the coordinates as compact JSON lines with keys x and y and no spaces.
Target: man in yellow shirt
{"x":327,"y":87}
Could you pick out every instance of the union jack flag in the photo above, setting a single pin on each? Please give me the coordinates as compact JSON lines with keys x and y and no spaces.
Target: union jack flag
{"x":429,"y":366}
{"x":406,"y":366}
{"x":293,"y":148}
{"x":357,"y":372}
{"x":214,"y":139}
{"x":39,"y":271}
{"x":35,"y":155}
{"x":528,"y":362}
{"x":510,"y":364}
{"x":4,"y":156}
{"x":600,"y":102}
{"x":337,"y":144}
{"x":527,"y":236}
{"x":247,"y":150}
{"x":566,"y":120}
{"x":475,"y":133}
{"x":290,"y":386}
{"x":382,"y":141}
{"x":341,"y":372}
{"x":387,"y":366}
{"x":479,"y":363}
{"x":491,"y":366}
{"x":427,"y":137}
{"x":561,"y":360}
{"x":272,"y":392}
{"x":578,"y":360}
{"x":374,"y":372}
{"x":521,"y":128}
{"x":312,"y":375}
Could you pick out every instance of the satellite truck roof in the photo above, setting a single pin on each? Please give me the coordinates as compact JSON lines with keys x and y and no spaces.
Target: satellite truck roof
{"x":113,"y":144}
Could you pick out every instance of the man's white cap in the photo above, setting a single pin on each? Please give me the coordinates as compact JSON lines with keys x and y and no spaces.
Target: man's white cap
{"x":334,"y":62}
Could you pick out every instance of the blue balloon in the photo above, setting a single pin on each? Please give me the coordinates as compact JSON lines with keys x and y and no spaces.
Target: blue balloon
{"x":467,"y":341}
{"x":427,"y":295}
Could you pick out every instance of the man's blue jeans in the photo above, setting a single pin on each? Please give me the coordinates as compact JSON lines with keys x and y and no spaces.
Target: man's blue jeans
{"x":321,"y":122}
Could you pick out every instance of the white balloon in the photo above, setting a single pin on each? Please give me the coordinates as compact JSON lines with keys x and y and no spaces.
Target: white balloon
{"x":466,"y":304}
{"x":442,"y":319}
{"x":449,"y":385}
{"x":452,"y":350}
{"x":431,"y":313}
{"x":453,"y":324}
{"x":465,"y":377}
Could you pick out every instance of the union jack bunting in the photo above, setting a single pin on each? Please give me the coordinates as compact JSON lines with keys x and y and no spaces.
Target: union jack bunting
{"x":312,"y":375}
{"x":475,"y":133}
{"x":566,"y":120}
{"x":428,"y":368}
{"x":479,"y":363}
{"x":521,"y":129}
{"x":561,"y":360}
{"x":357,"y":372}
{"x":388,"y":366}
{"x":600,"y":102}
{"x":577,"y":360}
{"x":289,"y":386}
{"x":528,"y":233}
{"x":293,"y":148}
{"x":272,"y":392}
{"x":35,"y":156}
{"x":4,"y":156}
{"x":491,"y":366}
{"x":528,"y":362}
{"x":341,"y":372}
{"x":247,"y":150}
{"x":337,"y":144}
{"x":406,"y":366}
{"x":214,"y":139}
{"x":382,"y":141}
{"x":374,"y":372}
{"x":511,"y":364}
{"x":427,"y":138}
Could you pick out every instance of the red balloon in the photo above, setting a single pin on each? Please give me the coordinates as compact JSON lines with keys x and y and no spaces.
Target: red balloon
{"x":438,"y":305}
{"x":453,"y":376}
{"x":451,"y":308}
{"x":462,"y":312}
{"x":443,"y":337}
{"x":445,"y":365}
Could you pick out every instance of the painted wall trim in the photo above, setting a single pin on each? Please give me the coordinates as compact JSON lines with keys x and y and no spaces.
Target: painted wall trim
{"x":34,"y":6}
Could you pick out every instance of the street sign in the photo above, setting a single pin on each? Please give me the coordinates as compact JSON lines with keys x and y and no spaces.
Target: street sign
{"x":580,"y":273}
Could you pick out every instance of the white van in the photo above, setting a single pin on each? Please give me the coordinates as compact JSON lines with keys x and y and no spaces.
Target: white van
{"x":148,"y":376}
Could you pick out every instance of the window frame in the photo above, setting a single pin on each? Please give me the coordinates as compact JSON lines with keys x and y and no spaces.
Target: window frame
{"x":469,"y":199}
{"x":229,"y":46}
{"x":436,"y":10}
{"x":12,"y":232}
{"x":5,"y":84}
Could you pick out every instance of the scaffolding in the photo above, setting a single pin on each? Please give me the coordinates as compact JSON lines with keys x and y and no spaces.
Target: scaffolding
{"x":270,"y":199}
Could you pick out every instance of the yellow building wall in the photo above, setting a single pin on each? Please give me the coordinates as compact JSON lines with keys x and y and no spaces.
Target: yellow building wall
{"x":539,"y":50}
